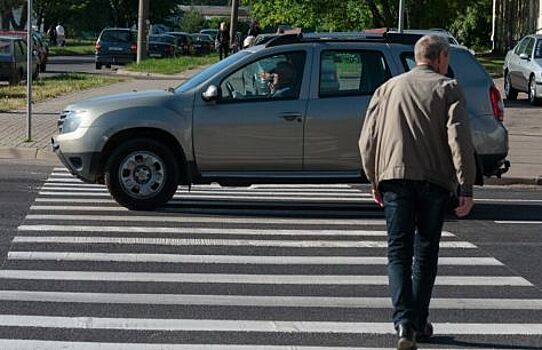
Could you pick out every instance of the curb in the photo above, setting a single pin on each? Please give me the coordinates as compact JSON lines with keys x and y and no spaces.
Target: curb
{"x":40,"y":154}
{"x":27,"y":153}
{"x":514,"y":180}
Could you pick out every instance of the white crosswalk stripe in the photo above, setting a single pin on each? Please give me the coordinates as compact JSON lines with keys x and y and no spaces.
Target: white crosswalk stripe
{"x":265,"y":267}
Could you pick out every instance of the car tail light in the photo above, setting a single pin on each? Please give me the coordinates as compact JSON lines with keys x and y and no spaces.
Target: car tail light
{"x":133,"y":47}
{"x":98,"y":45}
{"x":496,"y":103}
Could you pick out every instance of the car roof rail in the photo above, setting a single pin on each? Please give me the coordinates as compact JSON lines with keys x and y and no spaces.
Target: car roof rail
{"x":388,"y":37}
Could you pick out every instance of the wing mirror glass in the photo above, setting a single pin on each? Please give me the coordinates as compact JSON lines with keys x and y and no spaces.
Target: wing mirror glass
{"x":524,"y":56}
{"x":211,"y":94}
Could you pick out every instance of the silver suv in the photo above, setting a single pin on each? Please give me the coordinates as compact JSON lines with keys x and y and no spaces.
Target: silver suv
{"x":289,"y":111}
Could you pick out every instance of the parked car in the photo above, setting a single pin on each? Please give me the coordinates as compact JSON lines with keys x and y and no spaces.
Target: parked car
{"x":116,"y":46}
{"x":184,"y":41}
{"x":163,"y":46}
{"x":202,"y":43}
{"x":225,"y":125}
{"x":209,"y":31}
{"x":13,"y":60}
{"x":523,"y":69}
{"x":39,"y":45}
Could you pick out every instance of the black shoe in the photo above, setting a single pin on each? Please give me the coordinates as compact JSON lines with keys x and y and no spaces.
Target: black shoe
{"x":424,"y":334}
{"x":407,"y":338}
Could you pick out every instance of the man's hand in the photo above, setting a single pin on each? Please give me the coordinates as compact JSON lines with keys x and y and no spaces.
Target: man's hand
{"x":377,"y":197}
{"x":464,"y":207}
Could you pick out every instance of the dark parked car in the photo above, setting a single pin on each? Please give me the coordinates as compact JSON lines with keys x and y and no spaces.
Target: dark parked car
{"x":13,"y":60}
{"x":184,"y":41}
{"x":116,"y":46}
{"x":39,"y":45}
{"x":162,"y":46}
{"x":202,"y":43}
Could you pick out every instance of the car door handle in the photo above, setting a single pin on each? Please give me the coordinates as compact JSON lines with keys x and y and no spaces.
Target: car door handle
{"x":291,"y":116}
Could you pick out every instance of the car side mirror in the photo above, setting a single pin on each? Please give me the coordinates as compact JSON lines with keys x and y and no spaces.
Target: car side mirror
{"x":211,"y":94}
{"x":524,"y":56}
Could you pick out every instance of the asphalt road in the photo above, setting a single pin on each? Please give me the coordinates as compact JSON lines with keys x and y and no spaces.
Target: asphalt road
{"x":250,"y":267}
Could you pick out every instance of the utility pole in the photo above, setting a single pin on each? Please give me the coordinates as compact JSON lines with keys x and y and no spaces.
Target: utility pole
{"x":233,"y":21}
{"x":401,"y":15}
{"x":142,"y":29}
{"x":29,"y":54}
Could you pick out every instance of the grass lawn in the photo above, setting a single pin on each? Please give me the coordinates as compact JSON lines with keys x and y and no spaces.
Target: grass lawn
{"x":14,"y":97}
{"x":74,"y":47}
{"x":493,"y":65}
{"x":172,"y":65}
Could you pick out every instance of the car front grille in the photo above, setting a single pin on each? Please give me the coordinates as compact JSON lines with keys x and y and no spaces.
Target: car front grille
{"x":60,"y":121}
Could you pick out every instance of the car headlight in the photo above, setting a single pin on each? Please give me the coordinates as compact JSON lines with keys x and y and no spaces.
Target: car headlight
{"x":70,"y":121}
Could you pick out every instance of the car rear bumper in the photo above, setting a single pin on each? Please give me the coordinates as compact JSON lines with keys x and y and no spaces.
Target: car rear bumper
{"x":493,"y":164}
{"x":115,"y":59}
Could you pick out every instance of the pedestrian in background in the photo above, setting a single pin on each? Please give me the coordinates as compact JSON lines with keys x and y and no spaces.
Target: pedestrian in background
{"x":416,"y":148}
{"x":51,"y":35}
{"x":222,"y":41}
{"x":60,"y":35}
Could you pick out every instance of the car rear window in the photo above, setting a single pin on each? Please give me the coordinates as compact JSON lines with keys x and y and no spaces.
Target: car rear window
{"x":5,"y":47}
{"x":117,"y":36}
{"x":351,"y":72}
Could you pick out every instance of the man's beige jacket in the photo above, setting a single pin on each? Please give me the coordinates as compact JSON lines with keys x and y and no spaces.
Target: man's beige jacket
{"x":417,"y":128}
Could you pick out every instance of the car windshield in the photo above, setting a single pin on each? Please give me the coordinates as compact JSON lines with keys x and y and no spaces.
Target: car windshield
{"x":162,"y":39}
{"x":5,"y":47}
{"x":538,"y":49}
{"x":209,"y":72}
{"x":202,"y":37}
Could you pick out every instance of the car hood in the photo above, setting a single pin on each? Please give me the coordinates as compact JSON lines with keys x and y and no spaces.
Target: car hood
{"x":135,"y":98}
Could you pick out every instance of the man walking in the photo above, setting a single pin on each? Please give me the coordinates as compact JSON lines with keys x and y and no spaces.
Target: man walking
{"x":416,"y":148}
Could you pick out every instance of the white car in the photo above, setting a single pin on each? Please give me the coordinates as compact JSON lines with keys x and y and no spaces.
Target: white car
{"x":523,"y":69}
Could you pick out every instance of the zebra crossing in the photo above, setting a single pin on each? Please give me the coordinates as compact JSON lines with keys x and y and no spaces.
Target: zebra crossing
{"x":261,"y":267}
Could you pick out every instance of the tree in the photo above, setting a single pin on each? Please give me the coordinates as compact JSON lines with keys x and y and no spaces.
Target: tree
{"x":192,"y":21}
{"x":6,"y":7}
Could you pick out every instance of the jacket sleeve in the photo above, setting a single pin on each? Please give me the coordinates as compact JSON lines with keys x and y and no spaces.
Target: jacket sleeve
{"x":367,"y":140}
{"x":459,"y":138}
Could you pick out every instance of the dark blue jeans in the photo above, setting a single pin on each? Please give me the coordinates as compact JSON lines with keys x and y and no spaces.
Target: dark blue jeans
{"x":415,"y":212}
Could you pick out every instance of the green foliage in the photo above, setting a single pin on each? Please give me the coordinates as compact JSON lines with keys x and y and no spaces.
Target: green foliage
{"x":474,"y":27}
{"x":172,"y":65}
{"x":192,"y":21}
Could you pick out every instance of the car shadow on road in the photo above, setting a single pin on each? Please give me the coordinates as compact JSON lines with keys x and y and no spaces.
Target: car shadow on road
{"x":519,"y":103}
{"x":448,"y":340}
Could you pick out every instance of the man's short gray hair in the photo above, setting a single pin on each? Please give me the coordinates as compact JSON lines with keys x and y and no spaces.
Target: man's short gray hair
{"x":429,"y":47}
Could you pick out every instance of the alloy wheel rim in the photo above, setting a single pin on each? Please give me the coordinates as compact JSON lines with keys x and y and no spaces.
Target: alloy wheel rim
{"x":532,"y":90}
{"x":507,"y":85}
{"x":142,"y":174}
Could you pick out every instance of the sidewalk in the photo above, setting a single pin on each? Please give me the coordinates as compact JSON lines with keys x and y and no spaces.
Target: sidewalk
{"x":523,"y":121}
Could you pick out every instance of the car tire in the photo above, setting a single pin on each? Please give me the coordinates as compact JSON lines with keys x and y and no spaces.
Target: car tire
{"x":16,"y":78}
{"x":510,"y":93}
{"x":533,"y":100}
{"x":98,"y":65}
{"x":142,"y":174}
{"x":108,"y":66}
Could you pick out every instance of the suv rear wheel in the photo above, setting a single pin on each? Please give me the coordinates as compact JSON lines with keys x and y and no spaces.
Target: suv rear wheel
{"x":98,"y":65}
{"x":510,"y":93}
{"x":142,"y":174}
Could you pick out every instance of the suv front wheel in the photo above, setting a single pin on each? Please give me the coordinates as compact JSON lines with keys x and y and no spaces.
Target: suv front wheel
{"x":142,"y":174}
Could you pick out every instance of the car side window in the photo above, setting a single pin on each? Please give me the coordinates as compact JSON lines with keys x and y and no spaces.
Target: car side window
{"x":538,"y":49}
{"x":351,"y":72}
{"x":521,"y":46}
{"x":273,"y":77}
{"x":529,"y":47}
{"x":20,"y":49}
{"x":5,"y":47}
{"x":407,"y":58}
